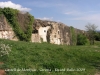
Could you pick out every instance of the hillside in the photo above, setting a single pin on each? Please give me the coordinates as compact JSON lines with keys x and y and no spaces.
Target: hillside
{"x":72,"y":60}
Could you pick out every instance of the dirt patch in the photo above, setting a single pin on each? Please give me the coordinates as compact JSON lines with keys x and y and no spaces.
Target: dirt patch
{"x":98,"y":73}
{"x":1,"y":63}
{"x":2,"y":72}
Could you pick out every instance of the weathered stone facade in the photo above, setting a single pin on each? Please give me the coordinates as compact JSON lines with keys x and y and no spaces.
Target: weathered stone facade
{"x":43,"y":31}
{"x":50,"y":31}
{"x":6,"y":32}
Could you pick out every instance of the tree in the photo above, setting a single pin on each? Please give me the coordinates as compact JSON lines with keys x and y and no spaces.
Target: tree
{"x":91,"y":29}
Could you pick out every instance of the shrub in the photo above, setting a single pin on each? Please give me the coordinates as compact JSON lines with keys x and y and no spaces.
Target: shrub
{"x":97,"y":36}
{"x":81,"y":39}
{"x":73,"y":36}
{"x":41,"y":39}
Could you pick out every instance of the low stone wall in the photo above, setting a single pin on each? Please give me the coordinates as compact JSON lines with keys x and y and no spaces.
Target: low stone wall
{"x":35,"y":38}
{"x":8,"y":35}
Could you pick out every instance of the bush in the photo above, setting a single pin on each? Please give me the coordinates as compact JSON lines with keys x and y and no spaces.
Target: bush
{"x":81,"y":39}
{"x":73,"y":35}
{"x":97,"y":36}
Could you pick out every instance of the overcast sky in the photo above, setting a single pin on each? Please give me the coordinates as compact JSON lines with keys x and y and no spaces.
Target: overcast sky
{"x":76,"y":13}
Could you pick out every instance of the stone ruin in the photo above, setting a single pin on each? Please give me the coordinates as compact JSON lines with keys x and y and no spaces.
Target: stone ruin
{"x":6,"y":31}
{"x":43,"y":31}
{"x":50,"y":31}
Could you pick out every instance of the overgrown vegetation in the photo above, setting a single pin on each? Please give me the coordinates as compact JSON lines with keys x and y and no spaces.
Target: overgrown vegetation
{"x":77,"y":60}
{"x":91,"y":30}
{"x":97,"y":36}
{"x":11,"y":16}
{"x":73,"y":36}
{"x":81,"y":39}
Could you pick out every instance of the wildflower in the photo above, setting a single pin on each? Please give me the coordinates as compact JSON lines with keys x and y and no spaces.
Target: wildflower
{"x":4,"y":49}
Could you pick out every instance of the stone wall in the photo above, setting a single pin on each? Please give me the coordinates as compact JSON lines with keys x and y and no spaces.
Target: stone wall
{"x":35,"y":38}
{"x":6,"y":32}
{"x":51,"y":31}
{"x":43,"y":31}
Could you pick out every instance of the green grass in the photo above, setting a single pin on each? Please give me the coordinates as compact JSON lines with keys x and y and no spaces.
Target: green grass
{"x":49,"y":56}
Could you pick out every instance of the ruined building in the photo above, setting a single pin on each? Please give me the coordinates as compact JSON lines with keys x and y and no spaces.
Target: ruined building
{"x":43,"y":31}
{"x":50,"y":31}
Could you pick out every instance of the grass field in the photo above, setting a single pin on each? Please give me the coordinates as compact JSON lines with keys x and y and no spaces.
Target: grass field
{"x":49,"y":59}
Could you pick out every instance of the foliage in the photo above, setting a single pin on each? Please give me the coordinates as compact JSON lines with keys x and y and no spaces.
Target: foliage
{"x":97,"y":36}
{"x":73,"y":36}
{"x":0,"y":11}
{"x":11,"y":15}
{"x":4,"y":49}
{"x":81,"y":39}
{"x":41,"y":40}
{"x":91,"y":29}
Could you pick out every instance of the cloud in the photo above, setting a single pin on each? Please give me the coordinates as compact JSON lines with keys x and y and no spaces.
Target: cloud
{"x":83,"y":16}
{"x":78,"y":13}
{"x":94,"y":17}
{"x":74,"y":13}
{"x":14,"y":6}
{"x":45,"y":18}
{"x":85,"y":19}
{"x":46,"y":4}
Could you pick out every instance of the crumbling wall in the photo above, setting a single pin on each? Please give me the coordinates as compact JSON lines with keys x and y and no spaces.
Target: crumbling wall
{"x":36,"y":38}
{"x":55,"y":36}
{"x":65,"y":33}
{"x":56,"y":33}
{"x":43,"y":31}
{"x":6,"y":31}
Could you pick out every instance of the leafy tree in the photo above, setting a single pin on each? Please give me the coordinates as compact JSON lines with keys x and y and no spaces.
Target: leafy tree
{"x":91,"y":29}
